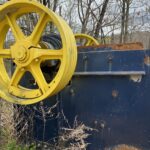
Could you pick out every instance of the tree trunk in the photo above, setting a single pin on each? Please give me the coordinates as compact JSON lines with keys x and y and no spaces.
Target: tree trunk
{"x":84,"y":14}
{"x":44,"y":2}
{"x":100,"y":20}
{"x":54,"y":10}
{"x":122,"y":21}
{"x":55,"y":5}
{"x":126,"y":21}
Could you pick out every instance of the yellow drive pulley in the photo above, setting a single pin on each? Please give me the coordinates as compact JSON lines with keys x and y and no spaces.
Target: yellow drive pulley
{"x":85,"y":40}
{"x":28,"y":54}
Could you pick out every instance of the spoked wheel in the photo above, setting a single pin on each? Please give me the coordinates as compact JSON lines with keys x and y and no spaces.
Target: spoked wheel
{"x":85,"y":40}
{"x":28,"y":54}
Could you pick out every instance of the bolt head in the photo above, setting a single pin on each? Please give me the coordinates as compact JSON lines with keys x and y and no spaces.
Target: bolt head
{"x":36,"y":60}
{"x":10,"y":92}
{"x":22,"y":69}
{"x":23,"y":96}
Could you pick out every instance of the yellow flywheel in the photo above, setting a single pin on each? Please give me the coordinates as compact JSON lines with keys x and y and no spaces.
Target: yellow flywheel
{"x":85,"y":40}
{"x":27,"y":54}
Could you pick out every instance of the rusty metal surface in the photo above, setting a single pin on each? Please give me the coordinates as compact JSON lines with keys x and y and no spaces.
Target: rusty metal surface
{"x":126,"y":46}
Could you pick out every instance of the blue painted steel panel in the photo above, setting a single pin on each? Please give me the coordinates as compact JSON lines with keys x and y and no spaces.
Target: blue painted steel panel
{"x":125,"y":117}
{"x":116,"y":106}
{"x":108,"y":100}
{"x":110,"y":60}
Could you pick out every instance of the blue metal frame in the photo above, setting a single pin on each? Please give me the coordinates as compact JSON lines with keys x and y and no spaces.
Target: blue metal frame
{"x":104,"y":95}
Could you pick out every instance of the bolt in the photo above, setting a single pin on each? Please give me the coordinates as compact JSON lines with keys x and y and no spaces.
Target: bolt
{"x":36,"y":60}
{"x":11,"y":92}
{"x":72,"y":92}
{"x":102,"y":124}
{"x":85,"y":58}
{"x":22,"y":69}
{"x":110,"y":59}
{"x":95,"y":122}
{"x":23,"y":96}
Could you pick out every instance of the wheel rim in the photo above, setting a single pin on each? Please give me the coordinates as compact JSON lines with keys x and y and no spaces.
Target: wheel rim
{"x":89,"y":40}
{"x":28,"y":56}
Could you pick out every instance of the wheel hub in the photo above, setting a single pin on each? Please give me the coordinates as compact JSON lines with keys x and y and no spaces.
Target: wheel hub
{"x":20,"y":52}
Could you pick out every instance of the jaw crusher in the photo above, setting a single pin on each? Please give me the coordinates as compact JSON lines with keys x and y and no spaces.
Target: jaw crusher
{"x":105,"y":86}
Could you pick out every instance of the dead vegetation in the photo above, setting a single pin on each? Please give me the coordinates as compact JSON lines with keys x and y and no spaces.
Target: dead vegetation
{"x":74,"y":138}
{"x":13,"y":126}
{"x":7,"y":127}
{"x":123,"y":147}
{"x":16,"y":128}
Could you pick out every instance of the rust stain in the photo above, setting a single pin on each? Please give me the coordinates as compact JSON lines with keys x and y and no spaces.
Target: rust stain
{"x":123,"y":147}
{"x":126,"y":46}
{"x":147,"y":60}
{"x":115,"y":93}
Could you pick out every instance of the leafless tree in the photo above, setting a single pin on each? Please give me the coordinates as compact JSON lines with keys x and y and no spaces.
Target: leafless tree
{"x":125,"y":4}
{"x":100,"y":19}
{"x":84,"y":11}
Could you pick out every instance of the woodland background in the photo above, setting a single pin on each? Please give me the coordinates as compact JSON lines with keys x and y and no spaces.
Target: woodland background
{"x":110,"y":21}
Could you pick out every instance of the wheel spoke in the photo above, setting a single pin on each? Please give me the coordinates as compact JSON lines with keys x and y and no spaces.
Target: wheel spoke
{"x":5,"y":53}
{"x":39,"y":28}
{"x":18,"y":34}
{"x":18,"y":74}
{"x":38,"y":76}
{"x":47,"y":54}
{"x":89,"y":42}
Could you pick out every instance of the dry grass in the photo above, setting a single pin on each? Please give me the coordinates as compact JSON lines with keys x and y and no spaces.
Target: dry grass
{"x":6,"y":122}
{"x":16,"y":127}
{"x":12,"y":124}
{"x":74,"y":138}
{"x":70,"y":138}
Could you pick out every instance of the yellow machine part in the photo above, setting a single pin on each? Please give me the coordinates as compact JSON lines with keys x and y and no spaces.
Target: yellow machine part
{"x":89,"y":40}
{"x":28,"y":55}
